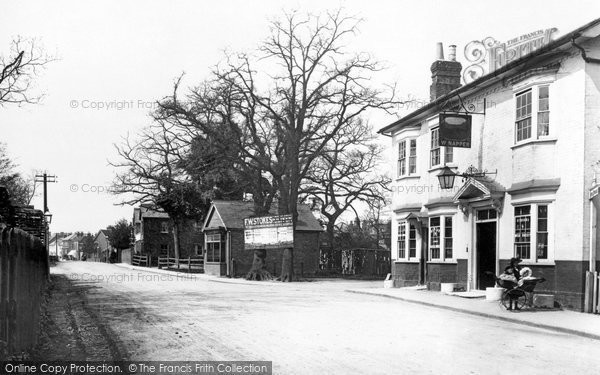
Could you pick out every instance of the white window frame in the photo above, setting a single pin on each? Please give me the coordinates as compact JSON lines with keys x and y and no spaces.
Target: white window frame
{"x":407,"y":161}
{"x":408,"y":228}
{"x":536,"y":110}
{"x":445,"y":154}
{"x":442,"y":237}
{"x":534,"y":231}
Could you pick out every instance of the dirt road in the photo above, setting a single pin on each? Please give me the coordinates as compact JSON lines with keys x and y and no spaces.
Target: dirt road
{"x":304,"y":328}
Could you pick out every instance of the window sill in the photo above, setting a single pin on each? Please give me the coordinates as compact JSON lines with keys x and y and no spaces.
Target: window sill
{"x":396,"y":261}
{"x":533,"y":142}
{"x":442,"y":262}
{"x":408,"y":177}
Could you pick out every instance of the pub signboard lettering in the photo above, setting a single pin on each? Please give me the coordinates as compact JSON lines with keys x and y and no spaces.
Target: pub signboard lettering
{"x":455,"y":130}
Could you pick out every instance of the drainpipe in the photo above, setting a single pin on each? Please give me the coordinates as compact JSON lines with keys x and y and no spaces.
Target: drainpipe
{"x":592,"y":267}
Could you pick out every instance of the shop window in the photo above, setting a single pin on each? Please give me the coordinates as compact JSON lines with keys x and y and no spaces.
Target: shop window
{"x":412,"y":242}
{"x":542,"y":232}
{"x":214,"y":248}
{"x":440,"y":238}
{"x":434,"y":237}
{"x":448,"y":237}
{"x":402,"y":240}
{"x":532,"y":232}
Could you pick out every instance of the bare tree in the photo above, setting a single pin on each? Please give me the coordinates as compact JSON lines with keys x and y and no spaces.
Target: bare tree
{"x":285,"y":104}
{"x":151,"y":172}
{"x":19,"y":69}
{"x":343,"y":174}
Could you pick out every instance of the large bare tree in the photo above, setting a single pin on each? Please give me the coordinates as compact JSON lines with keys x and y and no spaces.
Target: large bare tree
{"x":150,"y":171}
{"x":18,"y":70}
{"x":285,"y":103}
{"x":345,"y":174}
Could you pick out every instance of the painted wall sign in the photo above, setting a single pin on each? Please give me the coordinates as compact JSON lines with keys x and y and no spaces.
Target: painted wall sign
{"x":488,"y":55}
{"x":455,"y":130}
{"x":268,"y":232}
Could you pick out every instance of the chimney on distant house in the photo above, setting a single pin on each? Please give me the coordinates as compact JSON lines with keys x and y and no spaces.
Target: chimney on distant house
{"x":445,"y":74}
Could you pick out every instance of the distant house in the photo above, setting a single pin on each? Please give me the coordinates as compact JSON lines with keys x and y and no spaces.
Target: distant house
{"x":71,"y":246}
{"x":224,"y":241}
{"x":55,"y":245}
{"x":102,"y":244}
{"x":153,"y":232}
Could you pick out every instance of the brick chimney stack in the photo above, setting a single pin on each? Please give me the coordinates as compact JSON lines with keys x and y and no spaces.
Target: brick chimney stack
{"x":445,"y":74}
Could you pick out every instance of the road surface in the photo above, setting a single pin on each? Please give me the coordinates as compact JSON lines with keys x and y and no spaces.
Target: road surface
{"x":105,"y":312}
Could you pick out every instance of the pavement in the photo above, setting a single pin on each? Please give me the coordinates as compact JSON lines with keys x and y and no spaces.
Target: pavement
{"x":559,"y":320}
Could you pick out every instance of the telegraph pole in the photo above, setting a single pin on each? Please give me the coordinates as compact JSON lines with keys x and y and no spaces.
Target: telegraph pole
{"x":44,"y":178}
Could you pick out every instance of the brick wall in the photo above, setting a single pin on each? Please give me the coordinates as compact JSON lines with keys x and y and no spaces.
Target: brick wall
{"x":438,"y":273}
{"x":405,"y":274}
{"x":565,"y":280}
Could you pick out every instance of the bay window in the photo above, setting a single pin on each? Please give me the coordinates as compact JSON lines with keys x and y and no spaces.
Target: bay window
{"x":407,"y":157}
{"x":440,"y":238}
{"x":437,"y":157}
{"x":532,"y":232}
{"x":407,"y":241}
{"x":532,"y":113}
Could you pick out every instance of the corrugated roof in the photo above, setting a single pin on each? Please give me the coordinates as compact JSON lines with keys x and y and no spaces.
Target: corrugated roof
{"x":233,"y":214}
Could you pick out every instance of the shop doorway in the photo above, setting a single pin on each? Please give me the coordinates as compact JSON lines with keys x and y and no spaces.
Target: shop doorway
{"x":486,"y":254}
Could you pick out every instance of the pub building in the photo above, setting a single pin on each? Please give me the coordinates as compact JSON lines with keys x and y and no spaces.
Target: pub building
{"x":524,"y":122}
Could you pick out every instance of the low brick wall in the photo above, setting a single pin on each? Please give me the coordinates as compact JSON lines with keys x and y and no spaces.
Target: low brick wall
{"x":438,"y":273}
{"x":565,"y":280}
{"x":405,"y":274}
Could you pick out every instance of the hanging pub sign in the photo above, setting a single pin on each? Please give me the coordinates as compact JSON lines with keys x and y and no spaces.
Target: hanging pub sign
{"x":455,"y":130}
{"x":268,"y":232}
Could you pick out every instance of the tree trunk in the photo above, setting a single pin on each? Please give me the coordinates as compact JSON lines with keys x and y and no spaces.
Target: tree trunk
{"x":176,"y":242}
{"x":287,"y":265}
{"x":259,"y":270}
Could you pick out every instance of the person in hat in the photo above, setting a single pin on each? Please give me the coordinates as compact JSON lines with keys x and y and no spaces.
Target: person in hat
{"x":513,"y":268}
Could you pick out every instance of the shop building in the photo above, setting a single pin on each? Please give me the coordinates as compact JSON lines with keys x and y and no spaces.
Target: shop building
{"x":225,"y":249}
{"x":535,"y":123}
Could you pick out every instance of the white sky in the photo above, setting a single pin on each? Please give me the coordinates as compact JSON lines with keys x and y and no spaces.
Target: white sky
{"x":116,"y":51}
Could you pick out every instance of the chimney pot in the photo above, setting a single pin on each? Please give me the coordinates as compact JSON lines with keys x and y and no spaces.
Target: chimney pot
{"x":439,"y":51}
{"x":452,"y":53}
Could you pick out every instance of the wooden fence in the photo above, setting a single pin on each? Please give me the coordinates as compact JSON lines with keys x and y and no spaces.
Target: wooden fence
{"x":140,"y":260}
{"x":23,"y":278}
{"x":189,"y":264}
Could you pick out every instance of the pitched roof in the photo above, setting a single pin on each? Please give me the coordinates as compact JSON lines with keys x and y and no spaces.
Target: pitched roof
{"x":148,"y":212}
{"x":233,"y":213}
